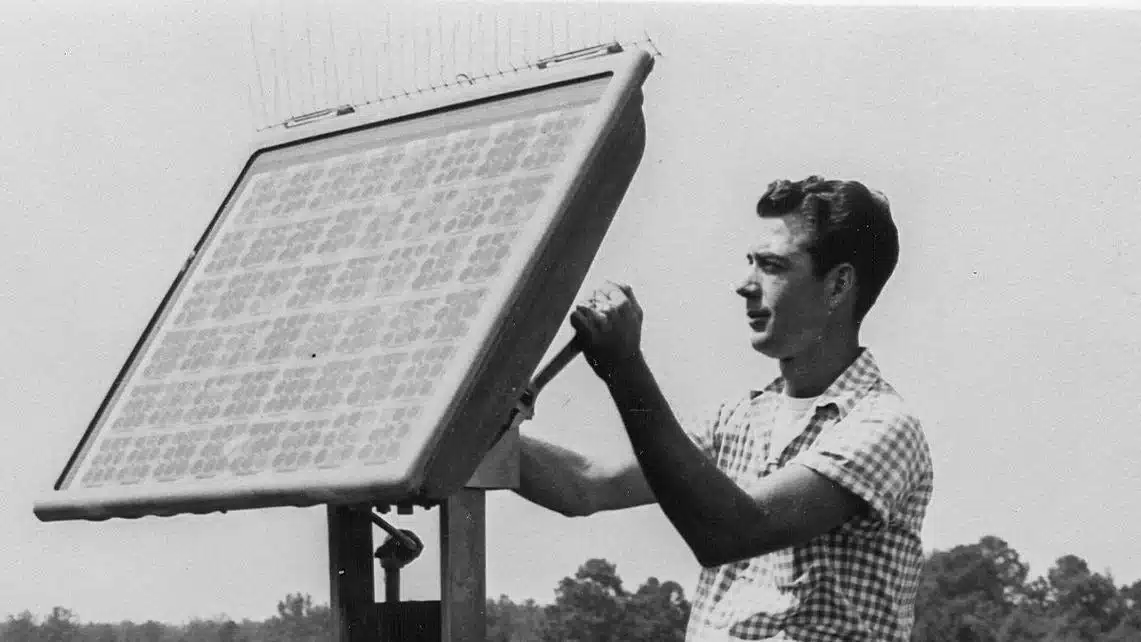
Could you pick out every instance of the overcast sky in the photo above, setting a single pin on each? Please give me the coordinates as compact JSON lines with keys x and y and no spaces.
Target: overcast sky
{"x":1006,"y":140}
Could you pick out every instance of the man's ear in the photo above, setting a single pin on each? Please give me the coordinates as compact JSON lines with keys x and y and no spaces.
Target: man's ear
{"x":843,"y":284}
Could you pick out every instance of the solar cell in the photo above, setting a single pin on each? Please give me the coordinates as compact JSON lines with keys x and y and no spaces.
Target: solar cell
{"x":367,"y":303}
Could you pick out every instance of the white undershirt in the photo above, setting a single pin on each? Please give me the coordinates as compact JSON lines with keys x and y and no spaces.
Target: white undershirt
{"x":789,"y":422}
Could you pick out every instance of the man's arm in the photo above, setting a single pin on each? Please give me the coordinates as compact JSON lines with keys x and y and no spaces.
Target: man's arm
{"x":570,"y":483}
{"x":719,"y":520}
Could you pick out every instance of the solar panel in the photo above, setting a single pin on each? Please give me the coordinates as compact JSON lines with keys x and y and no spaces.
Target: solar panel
{"x":367,"y":304}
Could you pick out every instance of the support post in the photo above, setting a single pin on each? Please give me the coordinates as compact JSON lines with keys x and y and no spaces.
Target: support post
{"x":463,"y":565}
{"x":351,"y":589}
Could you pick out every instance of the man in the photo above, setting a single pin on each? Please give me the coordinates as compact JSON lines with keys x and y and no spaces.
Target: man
{"x":802,"y":500}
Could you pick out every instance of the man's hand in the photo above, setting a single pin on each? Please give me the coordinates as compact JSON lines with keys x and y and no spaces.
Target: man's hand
{"x":609,"y":327}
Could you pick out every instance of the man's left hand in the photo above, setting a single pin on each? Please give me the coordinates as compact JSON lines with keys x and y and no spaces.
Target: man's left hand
{"x":609,"y":327}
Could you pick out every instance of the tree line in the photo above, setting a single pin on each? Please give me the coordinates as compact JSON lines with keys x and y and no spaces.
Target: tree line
{"x":979,"y":592}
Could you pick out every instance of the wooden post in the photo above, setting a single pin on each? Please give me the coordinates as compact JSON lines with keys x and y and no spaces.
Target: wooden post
{"x":351,"y":592}
{"x":463,"y":581}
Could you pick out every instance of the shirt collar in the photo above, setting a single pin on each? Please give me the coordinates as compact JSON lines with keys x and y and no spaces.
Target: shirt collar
{"x":856,"y":379}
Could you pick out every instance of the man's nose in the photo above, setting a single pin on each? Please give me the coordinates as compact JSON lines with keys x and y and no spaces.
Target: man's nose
{"x":749,"y":288}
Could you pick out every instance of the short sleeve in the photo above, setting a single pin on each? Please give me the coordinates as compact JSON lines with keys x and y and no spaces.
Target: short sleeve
{"x":878,"y":455}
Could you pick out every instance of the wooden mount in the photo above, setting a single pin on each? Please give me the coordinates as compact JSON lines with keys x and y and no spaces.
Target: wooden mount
{"x":460,"y":614}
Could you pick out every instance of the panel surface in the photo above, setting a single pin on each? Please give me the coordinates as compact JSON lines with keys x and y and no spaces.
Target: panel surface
{"x":341,"y":305}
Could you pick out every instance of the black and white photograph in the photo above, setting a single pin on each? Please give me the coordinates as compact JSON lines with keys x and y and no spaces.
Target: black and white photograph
{"x":583,"y":321}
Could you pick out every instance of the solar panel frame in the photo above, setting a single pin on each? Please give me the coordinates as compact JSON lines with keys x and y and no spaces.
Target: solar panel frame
{"x":614,"y":130}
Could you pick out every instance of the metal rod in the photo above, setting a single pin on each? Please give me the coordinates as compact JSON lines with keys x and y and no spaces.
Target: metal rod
{"x":408,"y":542}
{"x":555,"y":366}
{"x":392,"y":584}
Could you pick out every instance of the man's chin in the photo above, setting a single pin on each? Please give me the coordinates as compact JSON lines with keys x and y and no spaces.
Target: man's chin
{"x":762,"y":344}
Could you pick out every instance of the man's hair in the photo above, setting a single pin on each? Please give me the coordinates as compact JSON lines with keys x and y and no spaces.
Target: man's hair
{"x":850,"y":223}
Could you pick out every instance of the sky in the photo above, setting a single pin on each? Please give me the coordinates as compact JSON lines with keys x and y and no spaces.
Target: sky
{"x":1006,"y":140}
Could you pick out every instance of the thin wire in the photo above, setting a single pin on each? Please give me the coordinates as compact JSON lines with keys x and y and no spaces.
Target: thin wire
{"x":510,"y":41}
{"x":276,"y":88}
{"x":253,"y":110}
{"x":482,"y":50}
{"x":257,"y":69}
{"x":388,"y":56}
{"x":361,"y":63}
{"x":336,"y":74}
{"x":495,"y":43}
{"x":614,"y":27}
{"x":571,"y":45}
{"x":413,"y":66}
{"x":405,"y":38}
{"x":312,"y":76}
{"x":470,"y":37}
{"x":440,"y":49}
{"x":376,"y":68}
{"x":598,"y":26}
{"x":428,"y":65}
{"x":276,"y":91}
{"x":288,"y":84}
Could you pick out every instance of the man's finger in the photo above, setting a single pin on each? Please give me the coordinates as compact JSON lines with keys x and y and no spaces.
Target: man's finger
{"x":628,"y":291}
{"x":582,"y":322}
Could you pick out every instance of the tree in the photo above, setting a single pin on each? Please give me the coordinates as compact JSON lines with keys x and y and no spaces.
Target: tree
{"x":152,"y":631}
{"x":60,"y":626}
{"x":21,"y":628}
{"x":1082,"y":605}
{"x":656,"y":612}
{"x":229,"y":632}
{"x":298,"y":620}
{"x":593,"y":606}
{"x":588,"y":607}
{"x":100,"y":633}
{"x":511,"y":622}
{"x":967,"y":593}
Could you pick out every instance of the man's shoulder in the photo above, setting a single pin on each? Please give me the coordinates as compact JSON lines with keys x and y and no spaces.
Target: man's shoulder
{"x":890,"y":417}
{"x":883,"y":400}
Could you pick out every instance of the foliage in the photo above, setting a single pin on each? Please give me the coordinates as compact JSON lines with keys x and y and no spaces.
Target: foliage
{"x":511,"y":622}
{"x":980,"y":592}
{"x":298,"y":620}
{"x":593,"y":606}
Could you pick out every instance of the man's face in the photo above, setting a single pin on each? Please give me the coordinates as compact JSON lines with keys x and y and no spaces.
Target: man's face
{"x":786,"y":305}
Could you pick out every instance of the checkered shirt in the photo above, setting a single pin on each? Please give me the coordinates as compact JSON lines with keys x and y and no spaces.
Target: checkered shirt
{"x":856,"y":583}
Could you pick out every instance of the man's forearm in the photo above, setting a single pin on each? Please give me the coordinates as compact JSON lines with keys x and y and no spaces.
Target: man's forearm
{"x":553,"y":477}
{"x":707,"y":508}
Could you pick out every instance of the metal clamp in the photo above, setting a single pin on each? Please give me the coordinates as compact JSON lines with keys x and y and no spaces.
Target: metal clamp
{"x":525,"y":408}
{"x":398,"y":550}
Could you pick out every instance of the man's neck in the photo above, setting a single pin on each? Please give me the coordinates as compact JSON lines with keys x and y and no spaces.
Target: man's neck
{"x":809,"y":373}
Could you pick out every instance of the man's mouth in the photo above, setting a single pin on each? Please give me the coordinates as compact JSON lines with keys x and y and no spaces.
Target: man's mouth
{"x":758,"y":320}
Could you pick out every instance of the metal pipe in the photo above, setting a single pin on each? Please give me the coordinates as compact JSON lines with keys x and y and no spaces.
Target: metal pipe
{"x":406,"y":541}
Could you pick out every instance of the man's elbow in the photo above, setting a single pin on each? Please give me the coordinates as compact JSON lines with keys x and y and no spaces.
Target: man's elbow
{"x":565,"y":499}
{"x":713,"y":556}
{"x":575,"y":510}
{"x":711,"y":553}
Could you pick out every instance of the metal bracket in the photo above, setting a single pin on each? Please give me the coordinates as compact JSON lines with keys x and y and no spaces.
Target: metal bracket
{"x":525,"y":408}
{"x":585,"y":53}
{"x":321,"y":114}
